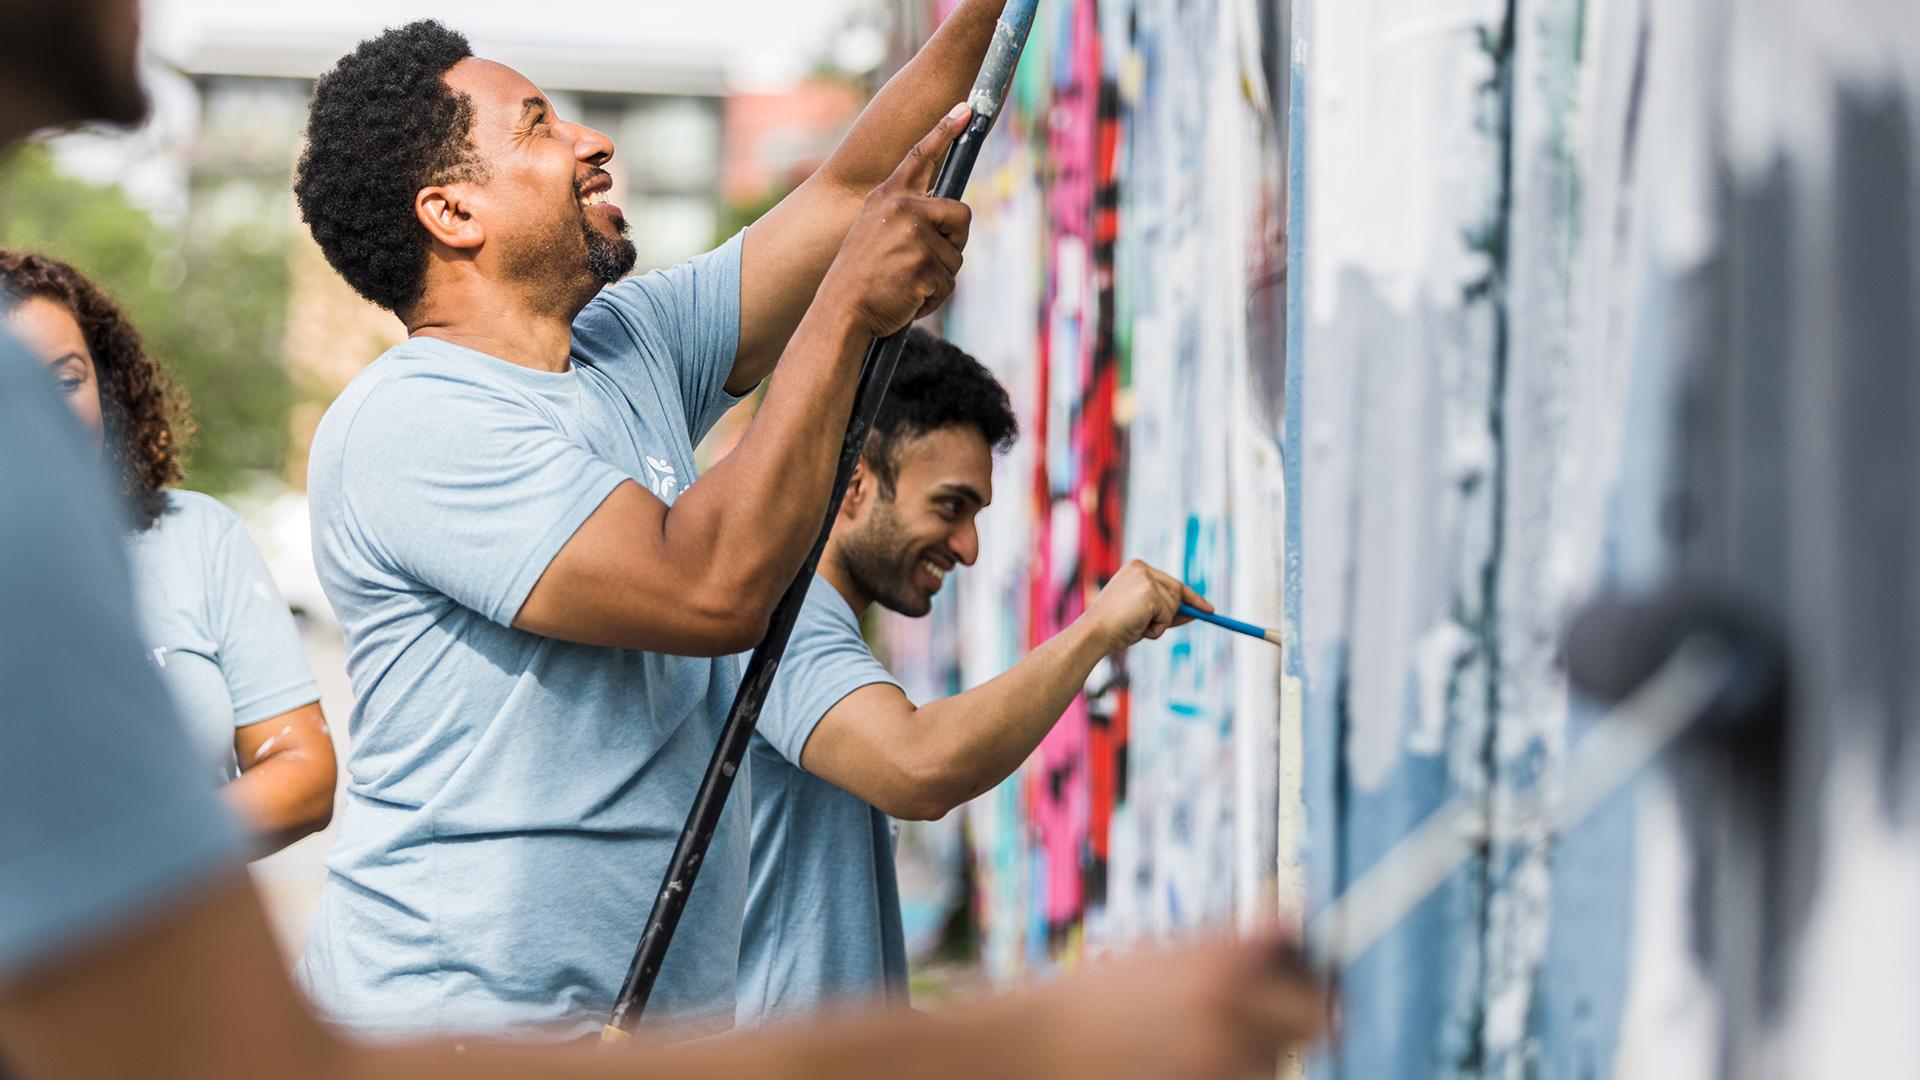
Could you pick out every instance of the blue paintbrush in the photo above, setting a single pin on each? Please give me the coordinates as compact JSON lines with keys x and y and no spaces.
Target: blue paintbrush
{"x":1269,"y":636}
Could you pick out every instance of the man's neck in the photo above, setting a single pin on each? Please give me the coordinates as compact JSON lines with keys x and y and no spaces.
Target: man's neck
{"x":501,"y":323}
{"x":837,"y":576}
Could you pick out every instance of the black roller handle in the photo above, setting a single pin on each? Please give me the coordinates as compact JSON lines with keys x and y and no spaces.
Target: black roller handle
{"x":876,"y":373}
{"x":1615,"y":642}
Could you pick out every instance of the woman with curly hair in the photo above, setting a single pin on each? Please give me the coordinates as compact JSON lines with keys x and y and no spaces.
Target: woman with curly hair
{"x":212,"y":620}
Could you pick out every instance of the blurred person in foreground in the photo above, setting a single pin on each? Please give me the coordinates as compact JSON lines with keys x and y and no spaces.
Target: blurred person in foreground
{"x":841,"y":749}
{"x":211,"y":620}
{"x":131,"y":941}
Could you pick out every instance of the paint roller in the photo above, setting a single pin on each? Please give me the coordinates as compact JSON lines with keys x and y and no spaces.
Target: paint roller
{"x":988,"y":95}
{"x":1682,"y":664}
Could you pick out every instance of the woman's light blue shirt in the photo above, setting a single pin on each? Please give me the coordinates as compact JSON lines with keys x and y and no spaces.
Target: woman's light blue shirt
{"x":215,"y":627}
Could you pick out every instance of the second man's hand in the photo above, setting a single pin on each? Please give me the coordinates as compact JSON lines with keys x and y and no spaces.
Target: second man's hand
{"x":1139,"y":603}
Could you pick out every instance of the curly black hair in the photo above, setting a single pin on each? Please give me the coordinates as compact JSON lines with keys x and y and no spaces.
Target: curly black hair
{"x":383,"y":124}
{"x":144,"y":415}
{"x":937,"y":385}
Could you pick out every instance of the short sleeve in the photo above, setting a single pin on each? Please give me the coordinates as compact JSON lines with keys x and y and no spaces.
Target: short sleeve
{"x":260,"y":655}
{"x":826,"y":660}
{"x":467,"y":489}
{"x":678,"y":328}
{"x":104,"y":814}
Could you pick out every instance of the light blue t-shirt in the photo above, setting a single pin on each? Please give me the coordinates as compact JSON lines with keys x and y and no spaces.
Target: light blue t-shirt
{"x":512,"y":799}
{"x":823,"y":905}
{"x":103,"y":817}
{"x":215,"y":626}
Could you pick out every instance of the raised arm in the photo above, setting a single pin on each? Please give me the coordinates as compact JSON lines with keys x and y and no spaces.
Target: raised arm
{"x":920,"y":763}
{"x":788,"y":251}
{"x":702,"y":577}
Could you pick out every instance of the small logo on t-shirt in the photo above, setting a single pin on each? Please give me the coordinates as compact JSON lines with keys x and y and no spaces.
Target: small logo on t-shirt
{"x":160,"y":656}
{"x":660,"y":478}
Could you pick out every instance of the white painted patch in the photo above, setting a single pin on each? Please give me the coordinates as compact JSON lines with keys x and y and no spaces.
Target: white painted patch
{"x":1669,"y":1025}
{"x":1435,"y":657}
{"x":267,"y":747}
{"x":1858,"y":980}
{"x":1470,"y":449}
{"x":1395,"y":85}
{"x":1676,"y":165}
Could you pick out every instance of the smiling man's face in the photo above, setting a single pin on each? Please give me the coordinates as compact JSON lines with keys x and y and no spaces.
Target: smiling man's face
{"x":898,"y":548}
{"x":542,"y":191}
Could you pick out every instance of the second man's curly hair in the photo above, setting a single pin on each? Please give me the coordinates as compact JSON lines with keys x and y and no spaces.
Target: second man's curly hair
{"x":382,"y":125}
{"x":937,"y":385}
{"x":144,"y":416}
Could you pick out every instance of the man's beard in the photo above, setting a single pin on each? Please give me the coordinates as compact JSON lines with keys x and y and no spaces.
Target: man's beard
{"x":554,"y":267}
{"x":871,"y":560}
{"x":609,"y":258}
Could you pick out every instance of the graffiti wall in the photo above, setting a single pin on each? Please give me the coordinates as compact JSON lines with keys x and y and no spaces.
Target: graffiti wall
{"x":1126,"y":280}
{"x":1412,"y":326}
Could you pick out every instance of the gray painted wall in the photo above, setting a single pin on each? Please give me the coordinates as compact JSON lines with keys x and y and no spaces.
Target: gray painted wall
{"x":1613,"y":295}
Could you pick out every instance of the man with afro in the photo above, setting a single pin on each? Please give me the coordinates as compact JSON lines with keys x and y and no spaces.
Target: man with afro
{"x":541,"y":608}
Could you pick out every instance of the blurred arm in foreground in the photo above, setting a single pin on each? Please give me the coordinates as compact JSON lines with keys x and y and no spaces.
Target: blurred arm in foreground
{"x":201,"y":979}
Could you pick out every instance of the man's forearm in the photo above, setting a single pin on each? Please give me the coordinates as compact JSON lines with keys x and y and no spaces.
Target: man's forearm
{"x":976,"y":739}
{"x":915,"y":98}
{"x":762,"y":505}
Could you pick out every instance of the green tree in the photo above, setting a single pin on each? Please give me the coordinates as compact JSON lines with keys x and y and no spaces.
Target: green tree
{"x":210,"y":302}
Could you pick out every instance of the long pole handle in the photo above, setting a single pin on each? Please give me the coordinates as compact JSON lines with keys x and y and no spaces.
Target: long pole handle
{"x":876,"y":372}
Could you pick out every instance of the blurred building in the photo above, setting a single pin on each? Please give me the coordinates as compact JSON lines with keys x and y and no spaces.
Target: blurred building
{"x":776,"y":139}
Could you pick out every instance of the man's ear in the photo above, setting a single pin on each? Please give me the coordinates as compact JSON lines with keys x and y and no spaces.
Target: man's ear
{"x":448,"y":218}
{"x":859,"y":490}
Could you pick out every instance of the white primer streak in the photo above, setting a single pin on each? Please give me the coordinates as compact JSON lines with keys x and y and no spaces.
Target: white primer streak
{"x":267,"y":747}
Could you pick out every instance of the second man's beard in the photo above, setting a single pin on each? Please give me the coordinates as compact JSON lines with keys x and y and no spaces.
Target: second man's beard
{"x":869,"y":558}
